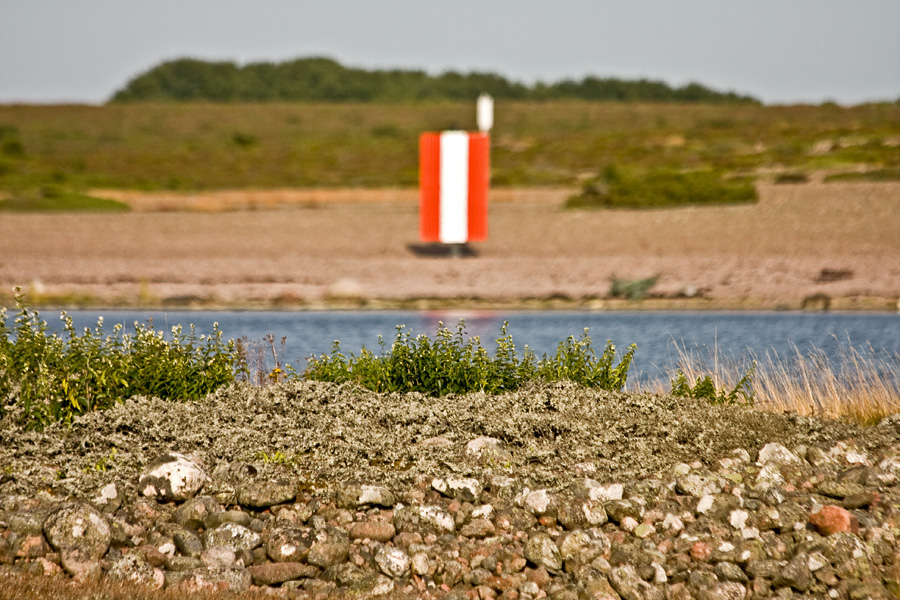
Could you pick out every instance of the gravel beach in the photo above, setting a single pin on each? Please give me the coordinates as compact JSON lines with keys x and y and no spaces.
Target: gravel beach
{"x":812,"y":245}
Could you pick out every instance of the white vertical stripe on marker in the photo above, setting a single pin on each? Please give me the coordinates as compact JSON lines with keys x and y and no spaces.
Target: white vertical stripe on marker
{"x":454,"y":203}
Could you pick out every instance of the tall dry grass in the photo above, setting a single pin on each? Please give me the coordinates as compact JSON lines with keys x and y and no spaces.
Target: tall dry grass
{"x":860,"y":385}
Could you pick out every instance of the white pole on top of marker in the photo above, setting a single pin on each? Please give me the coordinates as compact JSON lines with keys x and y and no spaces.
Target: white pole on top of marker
{"x":485,"y":113}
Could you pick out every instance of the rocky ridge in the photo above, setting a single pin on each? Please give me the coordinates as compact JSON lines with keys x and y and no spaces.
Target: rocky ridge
{"x":312,"y":491}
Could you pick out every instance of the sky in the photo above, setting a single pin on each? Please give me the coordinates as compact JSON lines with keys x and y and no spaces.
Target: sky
{"x":780,"y":51}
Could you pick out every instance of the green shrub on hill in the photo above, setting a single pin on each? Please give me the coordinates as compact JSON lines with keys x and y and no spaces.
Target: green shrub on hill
{"x":318,"y":79}
{"x":656,"y":188}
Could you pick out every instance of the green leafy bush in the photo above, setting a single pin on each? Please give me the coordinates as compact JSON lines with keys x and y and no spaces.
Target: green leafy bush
{"x":453,"y":364}
{"x":704,"y":388}
{"x":46,"y":377}
{"x":655,"y":188}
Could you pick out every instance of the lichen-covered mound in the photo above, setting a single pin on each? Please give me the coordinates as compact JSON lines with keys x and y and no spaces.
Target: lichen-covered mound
{"x":310,"y":489}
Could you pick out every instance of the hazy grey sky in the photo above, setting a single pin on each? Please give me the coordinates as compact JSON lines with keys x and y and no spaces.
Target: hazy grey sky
{"x":781,"y":51}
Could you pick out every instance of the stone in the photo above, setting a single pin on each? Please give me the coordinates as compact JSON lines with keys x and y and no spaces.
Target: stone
{"x":728,"y":571}
{"x":183,"y":563}
{"x":133,"y":569}
{"x":581,"y":514}
{"x":619,"y":510}
{"x":626,"y":582}
{"x":777,"y":454}
{"x":278,"y":573}
{"x":219,"y":557}
{"x":216,"y":519}
{"x":539,"y":502}
{"x":379,"y":531}
{"x":331,"y":547}
{"x":78,"y":526}
{"x":258,"y":493}
{"x":427,"y":518}
{"x":289,"y":544}
{"x":354,"y":495}
{"x":464,"y":489}
{"x":764,"y":569}
{"x":27,"y":546}
{"x":81,"y":566}
{"x":583,"y":545}
{"x":193,"y":513}
{"x":187,"y":542}
{"x":327,"y":554}
{"x":795,"y":574}
{"x":541,"y":551}
{"x":478,"y":528}
{"x":108,"y":498}
{"x":831,"y":519}
{"x":697,"y":485}
{"x":730,"y":590}
{"x":768,"y":477}
{"x":231,"y":535}
{"x":839,"y":489}
{"x":172,"y":476}
{"x":488,"y":450}
{"x":218,"y":580}
{"x":393,"y":562}
{"x":420,"y":564}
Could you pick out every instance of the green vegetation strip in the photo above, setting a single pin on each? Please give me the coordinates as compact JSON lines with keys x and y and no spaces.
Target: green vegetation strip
{"x":53,"y":199}
{"x":194,"y":146}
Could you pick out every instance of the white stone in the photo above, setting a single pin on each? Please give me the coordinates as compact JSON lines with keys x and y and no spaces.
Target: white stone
{"x":375,"y":494}
{"x":769,"y":476}
{"x":628,"y":524}
{"x":607,"y":492}
{"x":778,"y":454}
{"x":173,"y":476}
{"x":857,"y":458}
{"x":479,"y":446}
{"x":438,"y":517}
{"x":817,"y":561}
{"x":705,"y":504}
{"x":538,"y":501}
{"x":393,"y":562}
{"x":738,"y":518}
{"x":741,"y":455}
{"x":420,"y":563}
{"x":463,"y":488}
{"x":681,"y":469}
{"x":672,"y":523}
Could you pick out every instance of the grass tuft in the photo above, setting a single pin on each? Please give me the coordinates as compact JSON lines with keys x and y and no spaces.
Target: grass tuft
{"x":861,"y":386}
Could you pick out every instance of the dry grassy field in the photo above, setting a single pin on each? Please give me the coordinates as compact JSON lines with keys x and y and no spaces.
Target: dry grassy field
{"x":802,"y":245}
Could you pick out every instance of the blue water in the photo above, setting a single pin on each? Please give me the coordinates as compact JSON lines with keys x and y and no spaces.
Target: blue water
{"x":659,"y":335}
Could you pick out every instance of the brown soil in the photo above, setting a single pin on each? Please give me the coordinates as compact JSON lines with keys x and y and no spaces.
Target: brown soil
{"x":812,"y":245}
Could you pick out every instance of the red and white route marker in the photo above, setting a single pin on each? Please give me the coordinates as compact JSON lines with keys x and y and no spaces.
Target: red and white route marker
{"x":454,"y":173}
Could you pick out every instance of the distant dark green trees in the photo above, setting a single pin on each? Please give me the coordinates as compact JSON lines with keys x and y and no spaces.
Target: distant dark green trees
{"x":324,"y":80}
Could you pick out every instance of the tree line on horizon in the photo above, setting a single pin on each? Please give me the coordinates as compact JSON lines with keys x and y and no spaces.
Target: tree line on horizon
{"x":319,"y":79}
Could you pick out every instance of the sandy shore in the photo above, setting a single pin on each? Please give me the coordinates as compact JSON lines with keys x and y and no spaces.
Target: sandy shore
{"x":810,"y":244}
